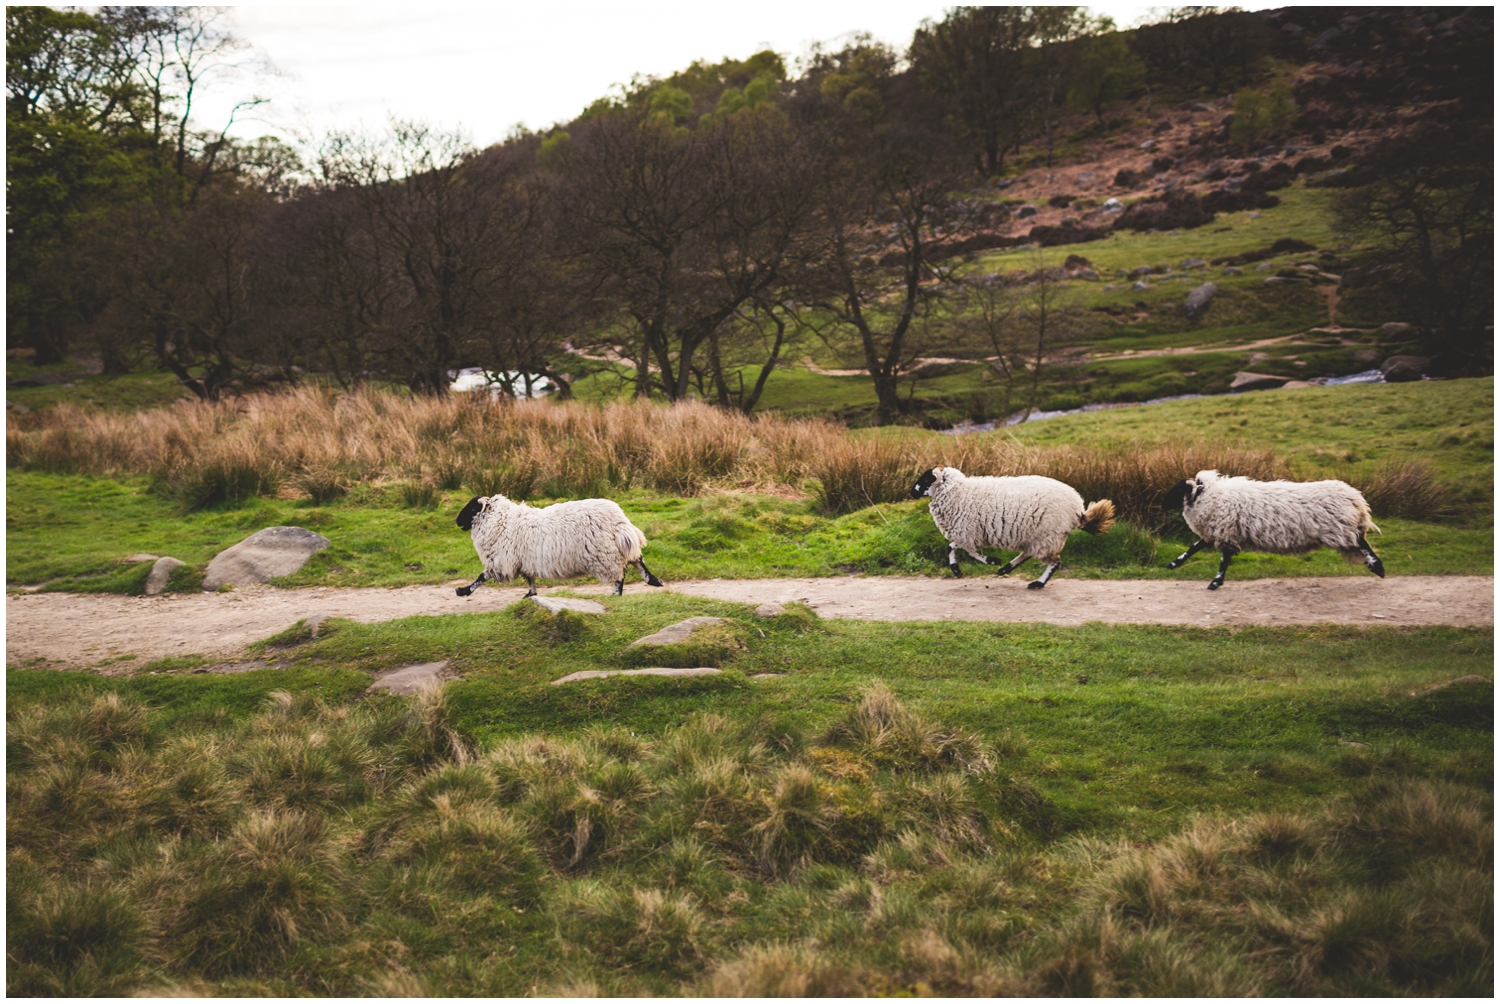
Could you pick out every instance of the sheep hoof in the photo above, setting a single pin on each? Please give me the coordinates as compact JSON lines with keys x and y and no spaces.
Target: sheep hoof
{"x":1174,"y":564}
{"x":1215,"y":584}
{"x":1035,"y":585}
{"x":957,"y":574}
{"x":654,"y":581}
{"x":462,"y":591}
{"x":1378,"y":569}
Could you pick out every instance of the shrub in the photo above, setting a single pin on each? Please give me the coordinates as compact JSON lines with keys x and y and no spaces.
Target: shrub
{"x":1409,"y":489}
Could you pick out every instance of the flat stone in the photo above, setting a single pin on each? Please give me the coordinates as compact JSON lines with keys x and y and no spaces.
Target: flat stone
{"x":767,"y":676}
{"x":135,"y":558}
{"x":160,"y":573}
{"x":557,"y":604}
{"x":411,"y":679}
{"x":672,"y":634}
{"x":599,"y":674}
{"x":1297,"y":385}
{"x":1448,"y":683}
{"x":770,"y":610}
{"x":274,"y":551}
{"x":1256,"y":381}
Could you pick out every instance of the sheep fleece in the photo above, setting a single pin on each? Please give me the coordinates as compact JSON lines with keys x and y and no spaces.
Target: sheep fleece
{"x":587,"y":537}
{"x":1278,"y":517}
{"x":1030,"y":513}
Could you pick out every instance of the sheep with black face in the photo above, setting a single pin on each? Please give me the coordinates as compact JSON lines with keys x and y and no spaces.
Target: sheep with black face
{"x":1278,"y":517}
{"x":587,"y":537}
{"x":1031,"y":513}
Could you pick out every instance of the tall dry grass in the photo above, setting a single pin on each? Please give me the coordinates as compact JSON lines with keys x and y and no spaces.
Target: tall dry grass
{"x":320,"y":443}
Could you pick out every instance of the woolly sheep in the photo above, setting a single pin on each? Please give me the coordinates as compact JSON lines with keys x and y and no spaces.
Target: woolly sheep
{"x":587,"y":537}
{"x":1278,"y":517}
{"x":1032,"y":513}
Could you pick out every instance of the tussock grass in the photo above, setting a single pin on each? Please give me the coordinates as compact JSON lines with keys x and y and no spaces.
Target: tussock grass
{"x":320,"y":443}
{"x":367,"y":848}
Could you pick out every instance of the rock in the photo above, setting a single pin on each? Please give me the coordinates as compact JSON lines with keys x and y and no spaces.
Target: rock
{"x":673,"y":634}
{"x":1258,"y":357}
{"x":1113,"y":206}
{"x":1192,"y":263}
{"x":1287,"y":278}
{"x":1025,"y":211}
{"x":1231,"y":270}
{"x":1394,"y":331}
{"x":1200,"y":106}
{"x":1140,"y":286}
{"x":1448,"y":683}
{"x":276,"y":550}
{"x":1199,"y":299}
{"x":767,"y":676}
{"x":1162,"y":126}
{"x":411,"y":679}
{"x":1150,"y":144}
{"x":599,"y":674}
{"x":1404,"y":369}
{"x":1087,"y":273}
{"x":1264,"y":266}
{"x":769,"y":610}
{"x":160,"y":573}
{"x":135,"y":558}
{"x":1256,"y":381}
{"x":557,"y":604}
{"x":1296,"y":385}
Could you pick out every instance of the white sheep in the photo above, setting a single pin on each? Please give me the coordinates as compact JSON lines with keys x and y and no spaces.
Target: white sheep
{"x":1032,"y":513}
{"x":1278,"y":517}
{"x":587,"y":537}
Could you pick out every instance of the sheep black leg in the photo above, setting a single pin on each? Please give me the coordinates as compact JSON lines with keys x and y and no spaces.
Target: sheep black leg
{"x":1372,"y":560}
{"x":651,"y":580}
{"x":619,"y":585}
{"x":1185,"y":555}
{"x":953,"y":561}
{"x":1218,"y":580}
{"x":466,"y":590}
{"x":530,"y":588}
{"x":1046,"y":576}
{"x":1013,"y":564}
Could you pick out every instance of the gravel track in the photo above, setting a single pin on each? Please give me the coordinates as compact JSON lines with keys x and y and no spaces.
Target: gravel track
{"x":84,"y":630}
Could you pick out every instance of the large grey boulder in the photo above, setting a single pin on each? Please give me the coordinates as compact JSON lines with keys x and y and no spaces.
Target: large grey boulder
{"x":1404,"y":369}
{"x":160,"y":573}
{"x":1199,"y":299}
{"x":1392,"y":331}
{"x":274,"y":551}
{"x":674,"y":634}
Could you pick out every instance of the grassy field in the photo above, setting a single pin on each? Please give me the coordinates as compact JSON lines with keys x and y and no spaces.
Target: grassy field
{"x":382,"y":535}
{"x":952,"y":809}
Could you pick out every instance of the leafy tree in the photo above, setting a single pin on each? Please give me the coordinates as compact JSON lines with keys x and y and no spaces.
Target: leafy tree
{"x":1431,"y":218}
{"x":1104,"y":70}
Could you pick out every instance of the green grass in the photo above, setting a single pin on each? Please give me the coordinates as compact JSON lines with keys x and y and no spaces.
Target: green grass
{"x":56,"y":523}
{"x":115,"y":392}
{"x":966,"y":832}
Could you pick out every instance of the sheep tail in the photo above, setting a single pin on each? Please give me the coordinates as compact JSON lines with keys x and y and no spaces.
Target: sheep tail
{"x":1099,"y":517}
{"x":630,"y":540}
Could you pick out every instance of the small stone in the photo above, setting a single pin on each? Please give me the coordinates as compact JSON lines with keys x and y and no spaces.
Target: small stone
{"x":1297,"y":385}
{"x":160,"y":573}
{"x":1140,"y":286}
{"x":557,"y":604}
{"x":769,"y":610}
{"x":1231,"y":270}
{"x":767,"y":676}
{"x":599,"y":674}
{"x":1394,"y":330}
{"x":411,"y":679}
{"x":136,"y":558}
{"x":1404,"y":369}
{"x":674,"y":634}
{"x":1256,"y":381}
{"x":1199,"y":299}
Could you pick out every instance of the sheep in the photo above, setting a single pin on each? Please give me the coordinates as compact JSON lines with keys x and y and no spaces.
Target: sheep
{"x":1032,"y":513}
{"x":587,"y":537}
{"x":1279,"y":517}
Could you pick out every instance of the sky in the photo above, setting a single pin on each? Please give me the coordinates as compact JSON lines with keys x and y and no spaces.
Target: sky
{"x":486,"y":68}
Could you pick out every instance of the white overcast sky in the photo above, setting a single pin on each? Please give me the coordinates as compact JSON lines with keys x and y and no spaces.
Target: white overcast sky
{"x":486,"y":68}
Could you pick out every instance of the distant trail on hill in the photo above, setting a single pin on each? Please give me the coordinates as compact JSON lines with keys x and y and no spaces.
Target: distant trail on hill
{"x":86,"y":630}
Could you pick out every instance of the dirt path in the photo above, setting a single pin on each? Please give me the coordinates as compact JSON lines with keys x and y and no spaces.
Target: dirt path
{"x":85,"y":630}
